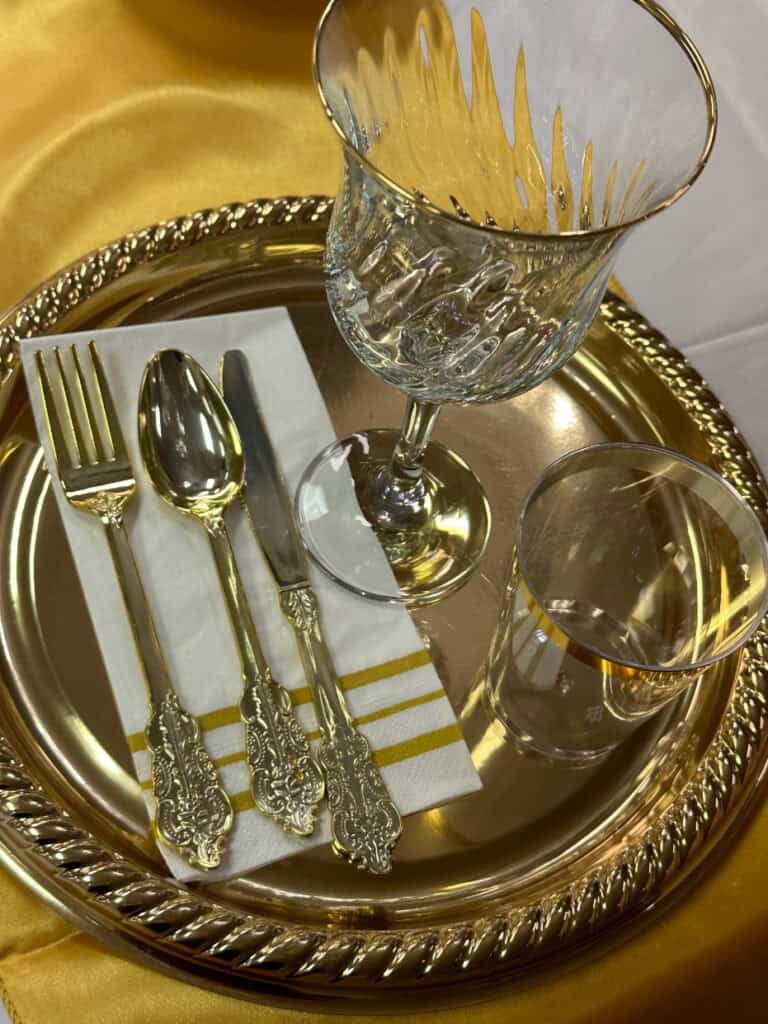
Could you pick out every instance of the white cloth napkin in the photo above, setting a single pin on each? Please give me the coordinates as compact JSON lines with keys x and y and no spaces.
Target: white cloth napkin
{"x":392,"y":687}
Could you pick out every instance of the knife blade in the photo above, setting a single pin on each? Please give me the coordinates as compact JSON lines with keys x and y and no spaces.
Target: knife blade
{"x":266,"y":494}
{"x":365,"y":822}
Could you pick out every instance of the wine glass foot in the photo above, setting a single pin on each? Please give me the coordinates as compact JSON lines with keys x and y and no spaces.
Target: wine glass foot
{"x":428,"y":536}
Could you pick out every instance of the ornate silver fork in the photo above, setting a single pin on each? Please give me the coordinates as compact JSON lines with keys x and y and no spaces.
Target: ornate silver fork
{"x":194,"y":813}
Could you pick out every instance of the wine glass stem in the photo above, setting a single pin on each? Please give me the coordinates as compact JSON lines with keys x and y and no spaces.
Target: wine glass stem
{"x":407,"y":459}
{"x":395,"y":496}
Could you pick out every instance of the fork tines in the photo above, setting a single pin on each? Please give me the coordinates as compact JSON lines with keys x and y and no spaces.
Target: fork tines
{"x":104,"y":441}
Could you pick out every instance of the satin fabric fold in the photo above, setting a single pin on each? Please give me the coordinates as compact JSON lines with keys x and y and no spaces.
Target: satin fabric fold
{"x":118,"y":114}
{"x":115,"y":115}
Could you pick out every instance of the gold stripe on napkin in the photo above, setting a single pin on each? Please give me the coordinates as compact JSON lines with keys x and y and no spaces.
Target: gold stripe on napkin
{"x":303,"y":695}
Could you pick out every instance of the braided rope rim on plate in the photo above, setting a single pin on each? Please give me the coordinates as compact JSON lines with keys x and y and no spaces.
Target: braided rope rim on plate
{"x":182,"y":924}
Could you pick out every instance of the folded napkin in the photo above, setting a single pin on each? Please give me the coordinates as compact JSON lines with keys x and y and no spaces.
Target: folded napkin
{"x":392,"y":688}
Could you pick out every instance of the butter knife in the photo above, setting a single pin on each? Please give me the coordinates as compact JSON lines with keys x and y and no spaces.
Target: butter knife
{"x":365,"y":823}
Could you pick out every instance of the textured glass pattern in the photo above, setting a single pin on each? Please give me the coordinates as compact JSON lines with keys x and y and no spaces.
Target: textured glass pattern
{"x":450,"y":313}
{"x":460,"y":121}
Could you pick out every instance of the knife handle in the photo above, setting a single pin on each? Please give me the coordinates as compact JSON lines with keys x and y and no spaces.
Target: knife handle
{"x":365,"y":823}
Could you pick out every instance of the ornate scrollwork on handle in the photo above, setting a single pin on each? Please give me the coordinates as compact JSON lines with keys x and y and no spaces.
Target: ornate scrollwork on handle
{"x":194,"y":813}
{"x":365,"y":824}
{"x":286,"y":782}
{"x":299,"y":606}
{"x":109,"y":507}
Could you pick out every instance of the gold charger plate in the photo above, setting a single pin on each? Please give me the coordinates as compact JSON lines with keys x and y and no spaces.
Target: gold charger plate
{"x":526,"y":874}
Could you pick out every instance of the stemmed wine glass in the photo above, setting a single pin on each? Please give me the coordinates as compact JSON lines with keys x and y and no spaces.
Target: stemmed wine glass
{"x":496,"y":157}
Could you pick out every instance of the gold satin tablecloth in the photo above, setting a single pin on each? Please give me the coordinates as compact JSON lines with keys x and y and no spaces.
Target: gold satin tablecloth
{"x":118,"y":113}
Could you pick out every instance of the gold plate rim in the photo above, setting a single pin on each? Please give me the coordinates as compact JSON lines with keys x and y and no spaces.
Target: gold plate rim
{"x":183,"y":931}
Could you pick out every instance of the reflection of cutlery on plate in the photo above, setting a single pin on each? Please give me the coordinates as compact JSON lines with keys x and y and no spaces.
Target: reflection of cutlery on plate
{"x":192,"y":452}
{"x":365,"y":822}
{"x":193,"y":810}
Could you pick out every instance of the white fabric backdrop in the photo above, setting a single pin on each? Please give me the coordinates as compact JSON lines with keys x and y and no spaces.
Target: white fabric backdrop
{"x":699,"y":270}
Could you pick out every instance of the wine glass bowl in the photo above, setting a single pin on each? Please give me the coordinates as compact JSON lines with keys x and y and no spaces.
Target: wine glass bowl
{"x":496,"y":157}
{"x":449,"y":313}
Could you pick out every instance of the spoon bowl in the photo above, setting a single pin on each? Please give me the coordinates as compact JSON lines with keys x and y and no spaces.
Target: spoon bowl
{"x":189,"y":442}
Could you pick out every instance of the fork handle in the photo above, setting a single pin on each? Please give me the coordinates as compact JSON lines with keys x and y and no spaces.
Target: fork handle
{"x":139,"y":615}
{"x":193,"y":811}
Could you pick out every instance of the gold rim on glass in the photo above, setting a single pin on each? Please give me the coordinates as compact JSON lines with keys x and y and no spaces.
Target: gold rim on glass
{"x":588,"y":653}
{"x":663,"y":17}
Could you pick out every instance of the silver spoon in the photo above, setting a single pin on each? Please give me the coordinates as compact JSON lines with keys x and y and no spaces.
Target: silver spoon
{"x":193,"y":455}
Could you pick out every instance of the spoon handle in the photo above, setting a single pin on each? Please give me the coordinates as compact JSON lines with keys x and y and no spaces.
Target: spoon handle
{"x":365,"y":822}
{"x":194,"y":813}
{"x":286,"y":782}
